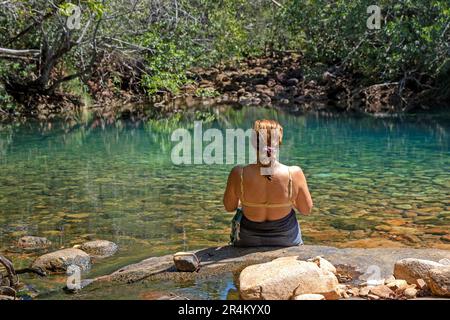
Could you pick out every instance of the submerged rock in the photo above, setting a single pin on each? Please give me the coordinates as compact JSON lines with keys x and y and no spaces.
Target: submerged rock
{"x":186,"y":261}
{"x":412,"y":269}
{"x":59,"y":261}
{"x":439,"y":281}
{"x":33,"y":243}
{"x":99,"y":248}
{"x":285,"y":278}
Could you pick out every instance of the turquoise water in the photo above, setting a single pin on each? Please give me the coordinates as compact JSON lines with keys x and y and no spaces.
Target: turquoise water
{"x":383,"y":179}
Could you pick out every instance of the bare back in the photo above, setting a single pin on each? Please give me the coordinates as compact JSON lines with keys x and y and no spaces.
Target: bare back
{"x":270,"y":199}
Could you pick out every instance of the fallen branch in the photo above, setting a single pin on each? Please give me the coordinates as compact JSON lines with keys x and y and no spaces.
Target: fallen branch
{"x":12,"y":53}
{"x":39,"y":272}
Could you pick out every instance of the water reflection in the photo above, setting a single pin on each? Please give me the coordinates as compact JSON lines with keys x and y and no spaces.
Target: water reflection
{"x":381,"y":179}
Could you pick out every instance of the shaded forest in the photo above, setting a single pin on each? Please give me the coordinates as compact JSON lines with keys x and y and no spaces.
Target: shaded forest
{"x":63,"y":54}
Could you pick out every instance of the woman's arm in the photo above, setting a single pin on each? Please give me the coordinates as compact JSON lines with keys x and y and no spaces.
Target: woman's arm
{"x":231,"y":196}
{"x":303,"y":201}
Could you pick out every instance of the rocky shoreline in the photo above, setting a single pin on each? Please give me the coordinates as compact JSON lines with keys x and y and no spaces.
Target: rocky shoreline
{"x":276,"y":81}
{"x":313,"y":271}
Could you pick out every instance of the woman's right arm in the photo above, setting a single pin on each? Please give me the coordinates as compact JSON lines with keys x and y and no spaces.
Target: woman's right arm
{"x":231,"y":196}
{"x":303,"y":201}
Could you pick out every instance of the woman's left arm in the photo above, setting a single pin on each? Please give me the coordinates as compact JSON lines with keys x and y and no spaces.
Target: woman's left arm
{"x":231,"y":197}
{"x":303,"y":202}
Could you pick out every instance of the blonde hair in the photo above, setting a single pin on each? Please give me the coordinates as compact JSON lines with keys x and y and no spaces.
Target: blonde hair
{"x":266,"y":129}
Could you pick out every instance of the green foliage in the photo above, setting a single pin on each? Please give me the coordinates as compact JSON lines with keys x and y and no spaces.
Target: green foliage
{"x":6,"y":101}
{"x":170,"y":37}
{"x":414,"y":35}
{"x":204,"y":116}
{"x":96,"y":7}
{"x":206,"y":93}
{"x":167,"y":64}
{"x":180,"y":120}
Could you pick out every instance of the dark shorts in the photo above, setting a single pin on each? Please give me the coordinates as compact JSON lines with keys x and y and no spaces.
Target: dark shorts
{"x":284,"y":232}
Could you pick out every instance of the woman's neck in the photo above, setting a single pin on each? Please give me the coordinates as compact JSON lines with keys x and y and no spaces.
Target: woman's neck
{"x":272,"y":163}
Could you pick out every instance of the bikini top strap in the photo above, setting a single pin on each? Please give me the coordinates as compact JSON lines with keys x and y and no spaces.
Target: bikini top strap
{"x":290,"y":185}
{"x":242,"y":184}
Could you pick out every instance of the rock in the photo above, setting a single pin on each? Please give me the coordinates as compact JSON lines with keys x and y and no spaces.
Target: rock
{"x":260,"y":88}
{"x":265,"y":99}
{"x":60,"y":260}
{"x":310,"y":296}
{"x":445,"y":261}
{"x":155,"y":295}
{"x":271,"y":82}
{"x":33,"y":243}
{"x":216,"y":260}
{"x":390,"y":279}
{"x":410,"y":293}
{"x":412,"y":269}
{"x":186,"y":261}
{"x":383,"y":227}
{"x":373,"y":297}
{"x":335,"y":294}
{"x":2,"y":297}
{"x":323,"y":264}
{"x":439,"y":281}
{"x":382,"y":291}
{"x":245,"y":101}
{"x":291,"y":82}
{"x":284,"y":278}
{"x":364,"y":291}
{"x":421,"y":284}
{"x":398,"y":284}
{"x":354,"y":292}
{"x":7,"y":291}
{"x":345,"y":295}
{"x":99,"y":248}
{"x":409,"y":214}
{"x":403,"y":206}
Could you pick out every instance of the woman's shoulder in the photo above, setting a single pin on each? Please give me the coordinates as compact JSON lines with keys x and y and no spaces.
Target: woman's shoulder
{"x":297,"y":174}
{"x":237,"y":170}
{"x":295,"y":169}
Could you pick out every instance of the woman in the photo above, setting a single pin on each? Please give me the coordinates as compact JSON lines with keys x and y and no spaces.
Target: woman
{"x":265,"y":194}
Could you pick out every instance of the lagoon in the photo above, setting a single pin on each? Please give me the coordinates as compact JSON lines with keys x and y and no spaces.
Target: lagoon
{"x":374,"y":181}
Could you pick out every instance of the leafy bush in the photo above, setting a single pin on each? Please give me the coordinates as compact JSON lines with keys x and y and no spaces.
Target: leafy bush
{"x":414,"y":35}
{"x":166,"y":63}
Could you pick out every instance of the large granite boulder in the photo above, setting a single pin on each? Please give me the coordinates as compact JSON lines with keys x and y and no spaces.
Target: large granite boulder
{"x":323,"y":264}
{"x":439,"y":281}
{"x":59,"y":261}
{"x":99,"y":248}
{"x":284,"y":278}
{"x":411,"y":269}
